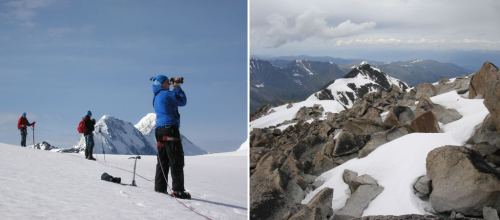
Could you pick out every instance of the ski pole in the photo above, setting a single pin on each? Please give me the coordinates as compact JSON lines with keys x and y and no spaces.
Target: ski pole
{"x":135,"y":164}
{"x":102,"y":145}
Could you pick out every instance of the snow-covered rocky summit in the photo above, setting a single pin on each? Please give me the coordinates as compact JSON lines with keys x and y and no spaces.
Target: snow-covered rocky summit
{"x":431,"y":150}
{"x":359,"y":81}
{"x":147,"y":127}
{"x":118,"y":137}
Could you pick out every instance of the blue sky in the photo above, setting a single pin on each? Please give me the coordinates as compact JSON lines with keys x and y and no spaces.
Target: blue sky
{"x":60,"y":58}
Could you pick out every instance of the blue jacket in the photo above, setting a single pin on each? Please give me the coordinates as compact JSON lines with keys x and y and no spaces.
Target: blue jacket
{"x":166,"y":105}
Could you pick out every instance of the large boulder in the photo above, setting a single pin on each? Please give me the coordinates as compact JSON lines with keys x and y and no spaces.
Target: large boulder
{"x":425,"y":123}
{"x":358,"y":202}
{"x":373,"y":114}
{"x":460,"y":84}
{"x":348,"y":143}
{"x":486,"y":132}
{"x":490,"y":214}
{"x":425,"y":89}
{"x":484,"y":81}
{"x":272,"y":191}
{"x":399,"y":115}
{"x":462,"y":181}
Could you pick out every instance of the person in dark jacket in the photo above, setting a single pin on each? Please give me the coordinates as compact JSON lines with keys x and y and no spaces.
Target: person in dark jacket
{"x":22,"y":125}
{"x":89,"y":136}
{"x":168,"y":138}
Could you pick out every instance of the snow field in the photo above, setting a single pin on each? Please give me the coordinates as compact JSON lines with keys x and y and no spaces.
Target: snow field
{"x":397,"y":164}
{"x":37,"y":184}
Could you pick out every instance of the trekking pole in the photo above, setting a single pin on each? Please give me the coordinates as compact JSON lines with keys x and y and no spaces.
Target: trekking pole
{"x":33,"y":136}
{"x":135,"y":164}
{"x":102,"y":145}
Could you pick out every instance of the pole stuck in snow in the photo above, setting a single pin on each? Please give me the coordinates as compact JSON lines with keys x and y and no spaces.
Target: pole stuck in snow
{"x":102,"y":145}
{"x":135,"y":164}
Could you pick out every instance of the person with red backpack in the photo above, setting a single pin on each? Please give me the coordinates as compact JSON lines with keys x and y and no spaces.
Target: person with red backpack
{"x":86,"y":127}
{"x":22,"y":125}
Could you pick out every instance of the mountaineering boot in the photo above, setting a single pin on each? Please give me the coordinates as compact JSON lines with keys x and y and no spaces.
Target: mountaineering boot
{"x":91,"y":158}
{"x":181,"y":195}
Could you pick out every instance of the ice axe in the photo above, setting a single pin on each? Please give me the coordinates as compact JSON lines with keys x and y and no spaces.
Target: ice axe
{"x":135,"y":164}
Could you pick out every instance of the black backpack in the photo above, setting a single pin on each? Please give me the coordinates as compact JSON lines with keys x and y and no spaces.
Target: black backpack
{"x":109,"y":178}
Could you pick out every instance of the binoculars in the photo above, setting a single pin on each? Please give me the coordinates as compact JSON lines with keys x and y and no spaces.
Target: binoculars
{"x":179,"y":80}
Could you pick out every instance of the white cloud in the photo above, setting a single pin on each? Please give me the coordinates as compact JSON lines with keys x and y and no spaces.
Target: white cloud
{"x":86,"y":29}
{"x":383,"y":22}
{"x":23,"y":12}
{"x":310,"y":24}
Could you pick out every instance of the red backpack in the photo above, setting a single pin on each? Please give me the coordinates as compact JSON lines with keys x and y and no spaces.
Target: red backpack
{"x":81,"y":127}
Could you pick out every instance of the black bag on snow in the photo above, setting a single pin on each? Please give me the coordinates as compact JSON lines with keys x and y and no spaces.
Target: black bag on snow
{"x":109,"y":178}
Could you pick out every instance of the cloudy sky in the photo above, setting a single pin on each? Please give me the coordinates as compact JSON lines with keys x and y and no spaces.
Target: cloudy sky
{"x":60,"y":58}
{"x":318,"y":27}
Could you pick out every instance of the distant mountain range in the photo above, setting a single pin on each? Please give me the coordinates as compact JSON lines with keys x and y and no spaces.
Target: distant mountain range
{"x":279,"y":80}
{"x":415,"y":72}
{"x":297,"y":80}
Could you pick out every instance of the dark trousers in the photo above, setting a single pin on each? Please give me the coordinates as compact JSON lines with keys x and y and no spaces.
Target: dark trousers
{"x":171,"y":156}
{"x":89,"y":145}
{"x":24,"y":132}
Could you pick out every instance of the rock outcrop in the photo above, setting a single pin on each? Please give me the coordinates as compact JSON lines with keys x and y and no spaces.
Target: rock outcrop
{"x":462,"y":181}
{"x":425,"y":123}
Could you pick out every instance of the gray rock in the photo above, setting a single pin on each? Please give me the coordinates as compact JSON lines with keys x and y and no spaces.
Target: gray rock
{"x":399,"y":115}
{"x":490,"y":213}
{"x":425,"y":123}
{"x":365,"y":179}
{"x":290,"y":105}
{"x":362,"y":126}
{"x":317,"y":184}
{"x":408,"y":217}
{"x":348,"y":143}
{"x":349,"y":175}
{"x":358,"y":202}
{"x":323,"y":201}
{"x":462,"y":181}
{"x":381,"y":138}
{"x":423,"y":185}
{"x":373,"y":114}
{"x":321,"y":164}
{"x":425,"y":89}
{"x":486,"y":132}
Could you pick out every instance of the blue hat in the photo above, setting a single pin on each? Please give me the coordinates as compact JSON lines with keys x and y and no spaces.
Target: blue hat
{"x":89,"y":113}
{"x":24,"y":113}
{"x":159,"y":80}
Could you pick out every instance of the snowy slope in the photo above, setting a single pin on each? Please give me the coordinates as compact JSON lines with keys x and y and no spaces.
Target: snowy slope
{"x":118,"y":137}
{"x":38,"y":184}
{"x":244,"y":146}
{"x":361,"y":80}
{"x":397,"y":164}
{"x":147,"y":127}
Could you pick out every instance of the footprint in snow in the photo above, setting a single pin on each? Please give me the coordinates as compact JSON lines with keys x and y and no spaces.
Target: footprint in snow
{"x":124,"y":194}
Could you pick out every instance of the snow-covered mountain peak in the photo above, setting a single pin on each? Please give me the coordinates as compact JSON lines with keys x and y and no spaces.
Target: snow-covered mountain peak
{"x":147,"y":124}
{"x":359,"y":81}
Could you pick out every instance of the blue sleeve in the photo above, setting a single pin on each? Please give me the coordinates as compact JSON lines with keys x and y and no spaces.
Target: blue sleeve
{"x":177,"y":96}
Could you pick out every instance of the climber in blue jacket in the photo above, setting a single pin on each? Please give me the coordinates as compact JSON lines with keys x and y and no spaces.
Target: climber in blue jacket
{"x":168,"y":120}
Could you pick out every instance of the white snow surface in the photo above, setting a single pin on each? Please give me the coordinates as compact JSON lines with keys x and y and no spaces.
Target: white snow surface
{"x":147,"y":126}
{"x":398,"y":164}
{"x":245,"y":146}
{"x":38,"y":184}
